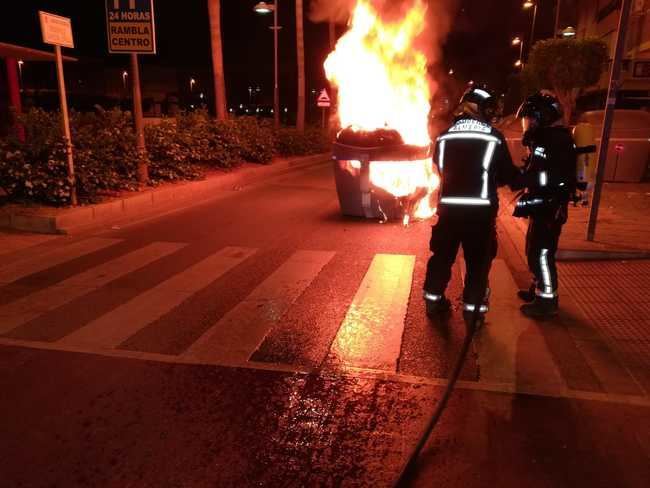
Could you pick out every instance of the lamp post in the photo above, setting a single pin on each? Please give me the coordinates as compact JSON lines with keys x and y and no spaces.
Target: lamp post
{"x":192,"y":83}
{"x":20,"y":71}
{"x":266,"y":8}
{"x":517,"y":41}
{"x":125,"y":75}
{"x":557,"y":18}
{"x":528,"y":4}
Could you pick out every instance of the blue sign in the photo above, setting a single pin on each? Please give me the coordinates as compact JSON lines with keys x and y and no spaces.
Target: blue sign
{"x":130,"y":26}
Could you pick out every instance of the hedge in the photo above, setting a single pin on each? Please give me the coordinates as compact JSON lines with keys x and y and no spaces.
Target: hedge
{"x":105,"y":155}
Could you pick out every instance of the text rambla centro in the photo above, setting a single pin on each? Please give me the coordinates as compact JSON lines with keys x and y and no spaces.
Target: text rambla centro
{"x":139,"y":30}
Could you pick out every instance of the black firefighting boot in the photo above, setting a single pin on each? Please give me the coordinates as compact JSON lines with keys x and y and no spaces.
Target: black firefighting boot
{"x":474,"y":318}
{"x":541,"y":308}
{"x":436,"y":307}
{"x":528,"y":295}
{"x":469,"y":318}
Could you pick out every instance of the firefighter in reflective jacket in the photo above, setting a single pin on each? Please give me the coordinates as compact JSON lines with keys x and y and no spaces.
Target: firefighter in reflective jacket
{"x":550,"y":180}
{"x":473,"y":159}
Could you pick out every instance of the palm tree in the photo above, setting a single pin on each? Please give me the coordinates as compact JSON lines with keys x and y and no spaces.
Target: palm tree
{"x":214,"y":12}
{"x":300,"y":43}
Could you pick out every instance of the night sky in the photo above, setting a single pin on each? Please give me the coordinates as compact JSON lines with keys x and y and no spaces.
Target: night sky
{"x":477,"y":47}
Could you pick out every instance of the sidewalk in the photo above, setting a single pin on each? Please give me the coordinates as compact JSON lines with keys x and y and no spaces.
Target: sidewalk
{"x":146,"y":203}
{"x":623,"y":230}
{"x":604,"y":304}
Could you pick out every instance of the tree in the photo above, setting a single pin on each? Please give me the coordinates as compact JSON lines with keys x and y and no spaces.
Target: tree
{"x":300,"y":43}
{"x":214,"y":12}
{"x":565,"y":66}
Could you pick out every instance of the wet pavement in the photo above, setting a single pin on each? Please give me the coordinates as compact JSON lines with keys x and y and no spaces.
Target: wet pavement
{"x":262,"y":339}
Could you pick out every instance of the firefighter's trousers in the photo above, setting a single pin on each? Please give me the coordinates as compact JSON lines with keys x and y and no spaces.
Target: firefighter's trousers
{"x":541,"y":245}
{"x":474,"y":230}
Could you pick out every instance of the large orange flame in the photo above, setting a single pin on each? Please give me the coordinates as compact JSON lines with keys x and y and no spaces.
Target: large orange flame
{"x":382,"y":82}
{"x":381,"y":77}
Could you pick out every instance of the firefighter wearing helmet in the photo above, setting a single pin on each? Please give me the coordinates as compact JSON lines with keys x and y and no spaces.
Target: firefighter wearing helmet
{"x":473,"y":160}
{"x":550,"y":181}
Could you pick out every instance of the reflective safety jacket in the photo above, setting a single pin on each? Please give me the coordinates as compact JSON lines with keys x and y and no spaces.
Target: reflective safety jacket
{"x":473,"y":160}
{"x":550,"y":172}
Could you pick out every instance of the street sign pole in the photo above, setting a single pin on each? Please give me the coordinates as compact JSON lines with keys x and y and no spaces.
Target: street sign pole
{"x":138,"y":119}
{"x":276,"y":83}
{"x":131,"y":30}
{"x":323,"y":101}
{"x":65,"y":123}
{"x":614,"y":84}
{"x":57,"y":31}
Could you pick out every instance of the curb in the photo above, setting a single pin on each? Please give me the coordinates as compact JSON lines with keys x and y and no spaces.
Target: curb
{"x":584,"y":255}
{"x":518,"y":238}
{"x":148,"y":203}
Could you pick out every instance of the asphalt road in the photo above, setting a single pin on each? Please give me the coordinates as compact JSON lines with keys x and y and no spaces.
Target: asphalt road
{"x":262,"y":339}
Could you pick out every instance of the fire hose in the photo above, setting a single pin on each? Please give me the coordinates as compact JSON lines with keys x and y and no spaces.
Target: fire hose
{"x":471,"y":328}
{"x":409,"y":467}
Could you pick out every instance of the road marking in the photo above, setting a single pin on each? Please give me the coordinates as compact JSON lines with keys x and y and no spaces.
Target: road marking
{"x":31,"y":306}
{"x":15,"y":271}
{"x":241,"y":331}
{"x":371,"y":333}
{"x":116,"y":326}
{"x":561,"y":392}
{"x":501,"y":358}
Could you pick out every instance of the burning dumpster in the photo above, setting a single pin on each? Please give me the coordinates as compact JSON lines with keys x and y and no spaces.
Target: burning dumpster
{"x":378,"y":176}
{"x":382,"y":157}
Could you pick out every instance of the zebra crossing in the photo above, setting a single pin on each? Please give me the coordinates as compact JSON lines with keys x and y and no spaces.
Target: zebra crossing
{"x":370,"y":336}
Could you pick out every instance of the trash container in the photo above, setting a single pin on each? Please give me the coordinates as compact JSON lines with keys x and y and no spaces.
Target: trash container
{"x":628,"y":152}
{"x":359,"y":156}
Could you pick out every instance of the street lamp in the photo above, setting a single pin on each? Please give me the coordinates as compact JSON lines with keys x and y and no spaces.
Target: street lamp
{"x":20,"y":71}
{"x":451,"y":72}
{"x":265,"y":8}
{"x":568,"y":32}
{"x":192,"y":83}
{"x":530,"y":4}
{"x":517,"y":41}
{"x":125,"y":75}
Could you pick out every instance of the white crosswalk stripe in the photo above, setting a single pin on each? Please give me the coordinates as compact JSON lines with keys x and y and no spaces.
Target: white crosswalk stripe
{"x":48,"y":259}
{"x":370,"y":336}
{"x":113,"y":328}
{"x":240,"y":332}
{"x":31,"y":306}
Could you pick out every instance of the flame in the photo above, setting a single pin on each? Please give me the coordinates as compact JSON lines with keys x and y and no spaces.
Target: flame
{"x":381,"y":77}
{"x":382,"y":82}
{"x":405,"y":179}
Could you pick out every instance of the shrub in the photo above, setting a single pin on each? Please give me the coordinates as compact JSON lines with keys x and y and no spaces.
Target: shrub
{"x":36,"y":170}
{"x":105,"y":155}
{"x":106,"y":158}
{"x":291,"y":142}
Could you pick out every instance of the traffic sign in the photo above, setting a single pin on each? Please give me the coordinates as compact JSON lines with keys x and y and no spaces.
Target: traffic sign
{"x":56,"y":30}
{"x":130,"y":26}
{"x":323,"y":99}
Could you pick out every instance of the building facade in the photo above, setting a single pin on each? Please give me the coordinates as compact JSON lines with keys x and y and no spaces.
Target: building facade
{"x":600,"y":18}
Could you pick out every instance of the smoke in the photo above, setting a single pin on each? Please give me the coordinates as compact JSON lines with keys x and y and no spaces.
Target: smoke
{"x":337,"y":11}
{"x":440,"y":14}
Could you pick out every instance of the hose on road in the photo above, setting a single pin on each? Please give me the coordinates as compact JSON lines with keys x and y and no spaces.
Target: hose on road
{"x":409,"y":467}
